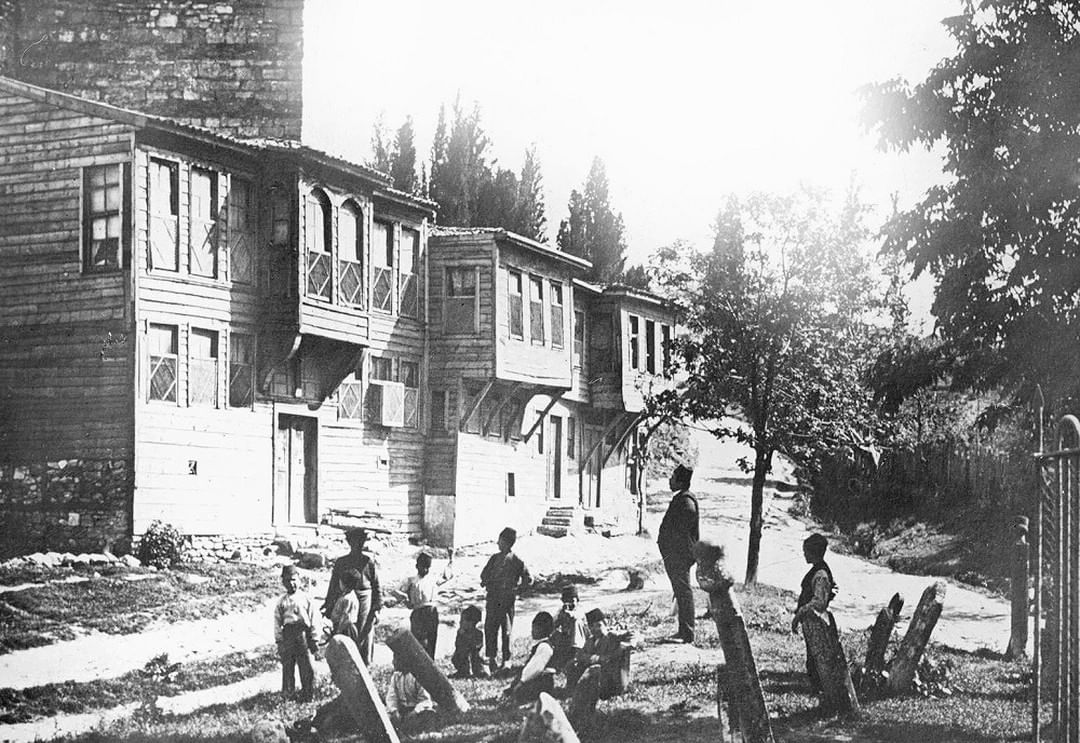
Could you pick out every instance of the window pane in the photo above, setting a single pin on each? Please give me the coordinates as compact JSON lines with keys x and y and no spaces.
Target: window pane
{"x":349,"y":234}
{"x":162,"y":343}
{"x":536,"y":309}
{"x":650,"y":346}
{"x":162,"y":339}
{"x":409,"y":373}
{"x":203,"y":344}
{"x":241,"y":370}
{"x":382,"y":249}
{"x":410,"y":243}
{"x":315,"y":227}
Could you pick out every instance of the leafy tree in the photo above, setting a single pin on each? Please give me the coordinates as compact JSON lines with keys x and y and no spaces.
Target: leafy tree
{"x":1000,"y":235}
{"x":529,"y":217}
{"x":403,"y":160}
{"x":637,"y":277}
{"x":777,"y":319}
{"x":593,"y":231}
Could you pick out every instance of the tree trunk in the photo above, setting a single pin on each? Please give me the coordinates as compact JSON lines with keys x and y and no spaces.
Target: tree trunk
{"x":757,"y":516}
{"x":906,"y":661}
{"x":879,"y":642}
{"x":358,"y":692}
{"x":547,"y":723}
{"x":827,"y":655}
{"x":417,"y":662}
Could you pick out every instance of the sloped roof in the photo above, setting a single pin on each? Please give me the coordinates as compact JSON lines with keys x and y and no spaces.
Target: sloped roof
{"x":498,"y":233}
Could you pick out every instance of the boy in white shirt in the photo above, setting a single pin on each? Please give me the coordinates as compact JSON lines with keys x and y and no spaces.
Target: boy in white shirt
{"x":295,"y":619}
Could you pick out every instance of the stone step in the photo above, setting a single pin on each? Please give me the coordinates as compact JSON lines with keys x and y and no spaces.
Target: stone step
{"x":552,"y":531}
{"x":557,"y":521}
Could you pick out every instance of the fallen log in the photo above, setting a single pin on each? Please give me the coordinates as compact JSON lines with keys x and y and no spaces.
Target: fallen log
{"x":874,"y":666}
{"x":827,"y":655}
{"x":744,"y":686}
{"x":358,"y":692}
{"x":547,"y":723}
{"x":416,"y":661}
{"x":905,"y":663}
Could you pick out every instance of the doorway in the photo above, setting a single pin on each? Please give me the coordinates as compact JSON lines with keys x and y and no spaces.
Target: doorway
{"x":296,"y":470}
{"x":554,"y":457}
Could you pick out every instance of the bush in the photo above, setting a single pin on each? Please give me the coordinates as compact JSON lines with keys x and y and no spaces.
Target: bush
{"x":162,"y":545}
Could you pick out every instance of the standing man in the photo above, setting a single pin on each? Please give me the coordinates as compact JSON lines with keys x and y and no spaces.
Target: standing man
{"x":367,"y":589}
{"x":678,"y":532}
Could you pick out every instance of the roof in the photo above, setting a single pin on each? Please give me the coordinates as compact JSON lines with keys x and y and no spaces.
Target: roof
{"x":249,"y":145}
{"x":500,"y":234}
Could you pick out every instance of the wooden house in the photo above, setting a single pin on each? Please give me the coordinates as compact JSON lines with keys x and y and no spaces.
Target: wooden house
{"x":534,"y":403}
{"x":224,"y":334}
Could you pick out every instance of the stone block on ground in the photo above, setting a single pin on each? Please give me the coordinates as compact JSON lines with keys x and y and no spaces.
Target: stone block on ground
{"x":358,"y":692}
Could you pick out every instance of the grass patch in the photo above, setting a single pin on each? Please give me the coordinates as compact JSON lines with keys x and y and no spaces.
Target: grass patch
{"x":23,"y":705}
{"x":110,"y":604}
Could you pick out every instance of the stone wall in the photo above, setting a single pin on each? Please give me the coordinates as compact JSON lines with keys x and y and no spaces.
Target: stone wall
{"x":66,"y":506}
{"x":233,"y":66}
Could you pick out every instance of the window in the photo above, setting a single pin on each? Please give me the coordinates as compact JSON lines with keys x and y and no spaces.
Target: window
{"x":571,"y":437}
{"x":650,"y":346}
{"x":202,"y":230}
{"x":350,"y":399}
{"x":164,"y":216}
{"x":350,"y":255}
{"x":511,"y":484}
{"x":459,"y":308}
{"x":104,"y":244}
{"x":203,"y":367}
{"x":243,"y":219}
{"x":408,"y":296}
{"x":665,"y":336}
{"x":438,"y":412}
{"x":556,"y":315}
{"x":241,"y":370}
{"x":162,"y":342}
{"x":516,"y":321}
{"x":317,"y":242}
{"x":579,"y":336}
{"x":409,"y":376}
{"x":382,"y":256}
{"x":536,"y":309}
{"x":635,"y":341}
{"x":381,"y":368}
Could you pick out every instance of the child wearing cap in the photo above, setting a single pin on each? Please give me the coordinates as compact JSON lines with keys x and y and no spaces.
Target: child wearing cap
{"x":502,"y":576}
{"x":420,"y":592}
{"x":536,"y":675}
{"x":295,"y":619}
{"x":600,"y":649}
{"x":571,"y":630}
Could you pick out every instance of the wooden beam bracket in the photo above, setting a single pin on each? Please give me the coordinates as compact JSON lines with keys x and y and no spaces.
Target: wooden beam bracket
{"x":555,"y":395}
{"x":475,"y":404}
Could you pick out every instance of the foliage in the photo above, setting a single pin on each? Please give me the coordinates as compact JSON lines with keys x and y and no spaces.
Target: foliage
{"x":669,"y":445}
{"x":592,"y":230}
{"x":403,"y":162}
{"x":999,"y":234}
{"x":162,"y":546}
{"x":778,"y":318}
{"x":529,"y":217}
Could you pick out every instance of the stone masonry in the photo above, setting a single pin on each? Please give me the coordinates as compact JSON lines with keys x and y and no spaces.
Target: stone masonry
{"x":232,"y":66}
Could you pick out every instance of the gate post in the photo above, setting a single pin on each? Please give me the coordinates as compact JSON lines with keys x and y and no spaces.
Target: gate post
{"x":1018,"y":637}
{"x":1038,"y":404}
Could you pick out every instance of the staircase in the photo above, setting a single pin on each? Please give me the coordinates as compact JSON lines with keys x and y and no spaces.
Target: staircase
{"x":561,"y":520}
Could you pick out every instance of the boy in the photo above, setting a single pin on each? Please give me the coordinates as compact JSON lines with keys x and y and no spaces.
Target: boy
{"x":816,"y":593}
{"x":571,"y":630}
{"x":406,"y":699}
{"x":467,"y":646}
{"x":536,"y":675}
{"x":347,"y":608}
{"x":600,"y":649}
{"x":503,"y":574}
{"x":294,"y":622}
{"x":420,"y":592}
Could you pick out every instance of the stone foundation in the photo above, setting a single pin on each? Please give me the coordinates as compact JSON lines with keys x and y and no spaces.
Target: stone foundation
{"x":70,"y":505}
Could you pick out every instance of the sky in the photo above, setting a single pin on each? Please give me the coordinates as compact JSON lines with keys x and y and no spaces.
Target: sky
{"x":686,"y":101}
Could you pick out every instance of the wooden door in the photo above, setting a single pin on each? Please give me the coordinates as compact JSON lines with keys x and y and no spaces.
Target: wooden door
{"x":296,"y":470}
{"x":554,"y":457}
{"x":590,"y":470}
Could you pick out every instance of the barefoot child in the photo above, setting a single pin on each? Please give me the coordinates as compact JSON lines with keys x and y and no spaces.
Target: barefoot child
{"x":295,"y":620}
{"x":502,"y":576}
{"x":467,"y":645}
{"x":420,"y":592}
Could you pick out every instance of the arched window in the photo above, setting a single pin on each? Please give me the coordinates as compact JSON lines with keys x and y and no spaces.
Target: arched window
{"x":351,"y":254}
{"x":318,"y":237}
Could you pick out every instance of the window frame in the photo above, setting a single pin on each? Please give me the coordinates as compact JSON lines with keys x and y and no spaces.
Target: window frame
{"x":88,"y":216}
{"x":173,"y":354}
{"x":650,"y":346}
{"x":234,"y":336}
{"x":313,"y":256}
{"x":580,"y":324}
{"x":558,"y":329}
{"x":633,"y":346}
{"x":536,"y":311}
{"x":515,"y":299}
{"x":385,"y":254}
{"x":237,"y":227}
{"x":213,"y":233}
{"x":215,"y":349}
{"x":407,"y":272}
{"x":156,"y":164}
{"x":353,"y":212}
{"x":448,"y":297}
{"x":402,"y":363}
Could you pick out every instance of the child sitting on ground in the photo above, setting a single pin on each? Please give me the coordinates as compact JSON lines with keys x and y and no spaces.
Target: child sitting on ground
{"x":536,"y":675}
{"x":346,"y":610}
{"x":295,"y":619}
{"x":602,"y":649}
{"x":406,"y":700}
{"x":470,"y":639}
{"x":570,"y":632}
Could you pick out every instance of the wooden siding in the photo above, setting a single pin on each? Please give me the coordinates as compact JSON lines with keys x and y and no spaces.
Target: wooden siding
{"x":453,"y":356}
{"x":65,"y":353}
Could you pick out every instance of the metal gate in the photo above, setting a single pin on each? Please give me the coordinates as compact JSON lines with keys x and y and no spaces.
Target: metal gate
{"x":1057,"y":585}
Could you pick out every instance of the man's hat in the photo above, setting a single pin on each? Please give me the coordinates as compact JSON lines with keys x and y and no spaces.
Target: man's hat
{"x":569,"y":592}
{"x":594,"y":615}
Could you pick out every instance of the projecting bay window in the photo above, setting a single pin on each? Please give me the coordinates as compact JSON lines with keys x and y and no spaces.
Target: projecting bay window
{"x":242,"y":231}
{"x":202,"y":227}
{"x":650,"y":346}
{"x":164,"y":216}
{"x":517,"y":329}
{"x":536,"y":310}
{"x":409,"y":376}
{"x":460,"y":309}
{"x":241,"y":370}
{"x":635,"y":341}
{"x":556,"y":315}
{"x":105,"y":245}
{"x":579,"y":337}
{"x":317,"y":241}
{"x":163,"y":346}
{"x":382,"y":255}
{"x":203,"y":367}
{"x":350,"y":253}
{"x":408,"y":294}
